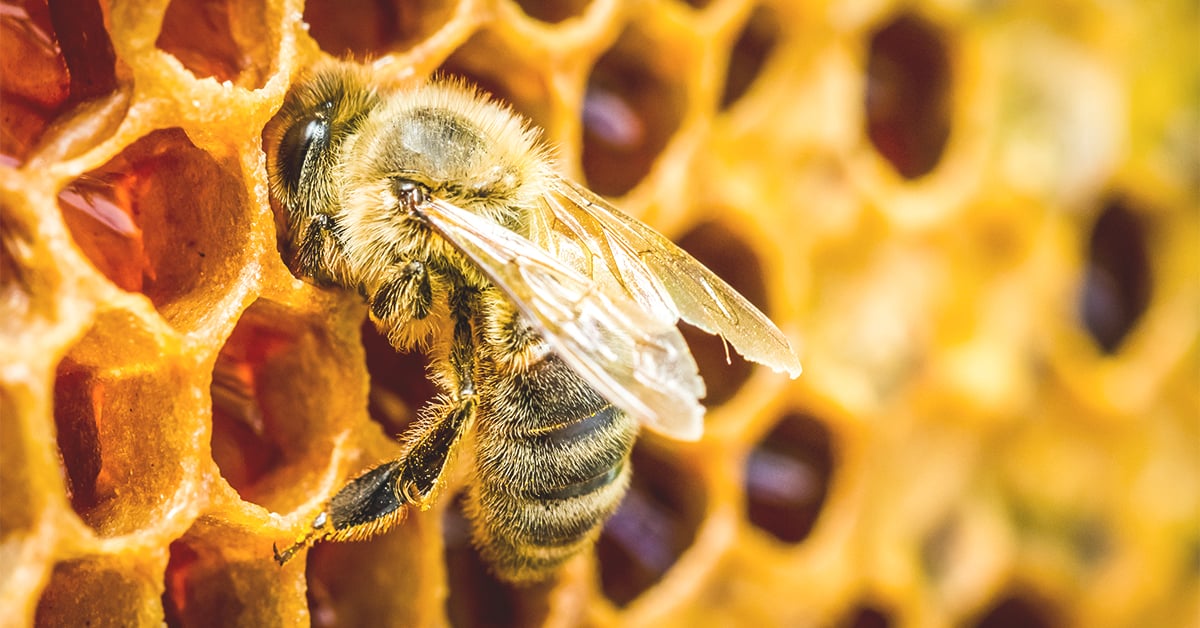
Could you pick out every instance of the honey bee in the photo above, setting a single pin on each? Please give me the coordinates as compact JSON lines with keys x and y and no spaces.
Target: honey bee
{"x":549,"y":317}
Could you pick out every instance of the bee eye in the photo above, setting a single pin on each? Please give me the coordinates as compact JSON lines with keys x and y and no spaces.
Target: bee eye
{"x":303,"y":137}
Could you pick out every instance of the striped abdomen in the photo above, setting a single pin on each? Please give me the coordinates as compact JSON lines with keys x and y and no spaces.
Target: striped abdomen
{"x":552,"y":465}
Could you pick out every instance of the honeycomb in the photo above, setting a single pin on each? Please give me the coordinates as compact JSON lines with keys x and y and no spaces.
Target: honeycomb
{"x":979,"y":221}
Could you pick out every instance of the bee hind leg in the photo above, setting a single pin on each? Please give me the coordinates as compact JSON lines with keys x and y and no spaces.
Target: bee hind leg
{"x":375,"y":501}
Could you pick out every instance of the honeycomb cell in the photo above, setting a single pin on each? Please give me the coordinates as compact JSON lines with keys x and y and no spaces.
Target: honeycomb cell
{"x":387,"y":580}
{"x":866,"y":617}
{"x":400,"y":385}
{"x":653,"y":527}
{"x":36,"y":82}
{"x":908,"y":94}
{"x":100,"y":592}
{"x":551,"y":11}
{"x":633,"y":105}
{"x":114,"y":437}
{"x":750,"y":52}
{"x":1018,"y":610}
{"x":1116,"y":289}
{"x":476,"y":597}
{"x":364,"y":28}
{"x":279,"y":392}
{"x":512,"y":80}
{"x":221,"y":39}
{"x":212,"y":580}
{"x":787,"y":478}
{"x":166,"y":219}
{"x":725,"y":254}
{"x":86,"y":47}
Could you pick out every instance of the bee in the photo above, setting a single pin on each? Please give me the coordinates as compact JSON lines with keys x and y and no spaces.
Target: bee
{"x":548,"y":316}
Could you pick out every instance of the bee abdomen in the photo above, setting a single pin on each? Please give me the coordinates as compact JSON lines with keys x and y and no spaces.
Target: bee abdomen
{"x":552,"y":465}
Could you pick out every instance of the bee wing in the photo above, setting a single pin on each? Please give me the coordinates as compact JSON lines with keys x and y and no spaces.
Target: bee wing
{"x":654,"y":272}
{"x":635,"y":360}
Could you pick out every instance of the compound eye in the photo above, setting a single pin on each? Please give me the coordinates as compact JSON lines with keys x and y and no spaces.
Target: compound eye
{"x":305,"y":136}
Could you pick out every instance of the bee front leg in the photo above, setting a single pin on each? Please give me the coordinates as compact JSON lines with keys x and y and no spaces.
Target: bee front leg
{"x":374,"y":502}
{"x":318,"y":252}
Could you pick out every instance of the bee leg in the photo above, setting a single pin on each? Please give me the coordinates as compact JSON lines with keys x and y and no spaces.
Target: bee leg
{"x":318,"y":253}
{"x":406,"y":295}
{"x":373,"y":502}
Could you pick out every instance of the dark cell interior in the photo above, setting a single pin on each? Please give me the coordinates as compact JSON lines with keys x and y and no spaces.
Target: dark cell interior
{"x":552,"y":11}
{"x":86,"y":47}
{"x":866,"y":617}
{"x":630,"y":111}
{"x":400,"y":385}
{"x":76,"y":400}
{"x":36,"y":81}
{"x":750,"y":53}
{"x":477,"y":598}
{"x":1117,"y":284}
{"x":787,"y":478}
{"x":908,"y":104}
{"x":1015,"y":610}
{"x":654,"y":526}
{"x":364,"y":28}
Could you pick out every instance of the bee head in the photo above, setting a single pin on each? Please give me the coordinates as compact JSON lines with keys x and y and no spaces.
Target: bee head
{"x":305,"y":137}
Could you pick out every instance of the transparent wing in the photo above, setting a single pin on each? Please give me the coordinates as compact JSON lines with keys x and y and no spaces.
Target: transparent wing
{"x":634,"y":359}
{"x":618,"y":251}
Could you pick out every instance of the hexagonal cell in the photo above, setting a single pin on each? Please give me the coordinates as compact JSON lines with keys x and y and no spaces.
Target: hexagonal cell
{"x":485,"y":62}
{"x":1019,"y":610}
{"x":215,"y":578}
{"x":750,"y":52}
{"x":365,"y":28}
{"x":724,"y":253}
{"x":390,"y":579}
{"x":1117,"y":287}
{"x":36,"y":81}
{"x":634,"y":103}
{"x":280,"y":394}
{"x":96,"y":592}
{"x":654,"y":526}
{"x":476,"y":597}
{"x":120,"y":441}
{"x":400,"y":385}
{"x":908,"y":106}
{"x":787,"y":478}
{"x":165,"y":219}
{"x":551,"y":11}
{"x":223,"y":40}
{"x":86,"y":46}
{"x":61,"y":54}
{"x":866,"y":617}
